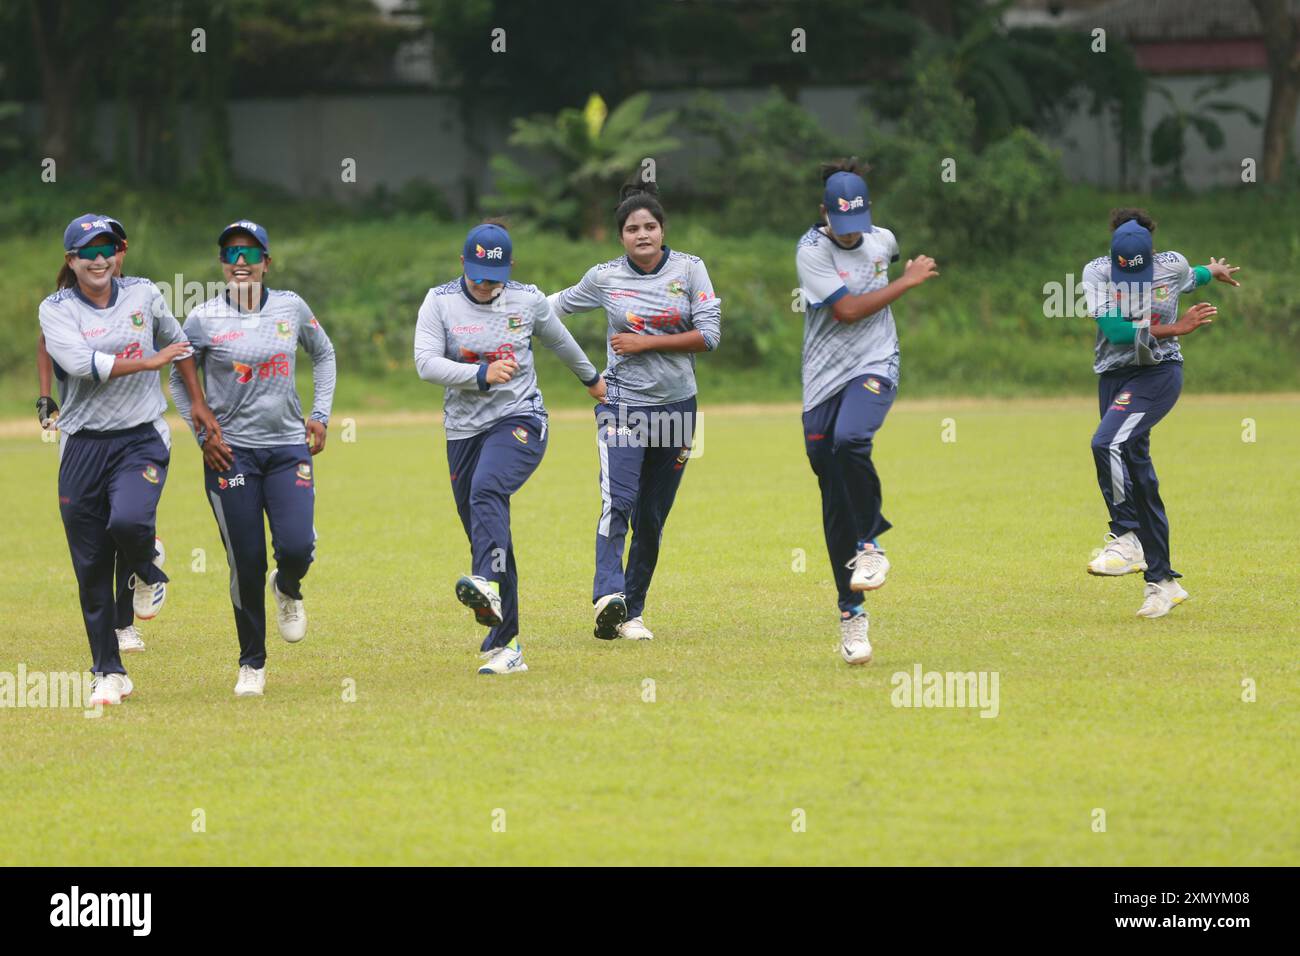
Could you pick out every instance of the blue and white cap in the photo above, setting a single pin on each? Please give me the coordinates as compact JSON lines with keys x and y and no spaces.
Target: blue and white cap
{"x":85,"y":228}
{"x":1132,"y":257}
{"x":487,"y":253}
{"x":250,"y":227}
{"x":846,"y":203}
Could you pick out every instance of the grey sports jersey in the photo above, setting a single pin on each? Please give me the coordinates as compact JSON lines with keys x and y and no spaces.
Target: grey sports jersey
{"x":456,"y":338}
{"x":1171,"y":276}
{"x":85,"y":341}
{"x":676,"y":297}
{"x":248,"y":360}
{"x":834,"y":352}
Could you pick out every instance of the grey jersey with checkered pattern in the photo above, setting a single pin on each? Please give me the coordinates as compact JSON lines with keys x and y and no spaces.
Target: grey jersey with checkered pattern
{"x":1171,"y":276}
{"x":676,"y":297}
{"x":248,"y":361}
{"x":834,"y":352}
{"x":84,"y":342}
{"x":456,"y":336}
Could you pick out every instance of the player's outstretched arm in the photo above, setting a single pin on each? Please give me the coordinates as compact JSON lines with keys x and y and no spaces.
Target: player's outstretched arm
{"x":853,"y":308}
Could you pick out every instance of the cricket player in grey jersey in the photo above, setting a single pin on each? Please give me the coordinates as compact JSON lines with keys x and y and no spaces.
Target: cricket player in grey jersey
{"x":474,"y":336}
{"x":661,"y":310}
{"x":107,"y":337}
{"x":1133,"y":296}
{"x":258,"y":460}
{"x":850,"y":379}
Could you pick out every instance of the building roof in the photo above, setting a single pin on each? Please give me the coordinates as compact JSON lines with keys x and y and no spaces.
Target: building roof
{"x":1146,"y":20}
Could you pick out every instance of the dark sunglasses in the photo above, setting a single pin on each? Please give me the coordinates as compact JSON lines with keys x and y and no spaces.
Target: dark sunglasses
{"x":252,"y":254}
{"x":91,"y":253}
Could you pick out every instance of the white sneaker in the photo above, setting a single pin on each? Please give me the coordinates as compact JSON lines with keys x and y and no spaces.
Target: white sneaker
{"x":854,"y":646}
{"x":111,"y":689}
{"x":611,"y":611}
{"x":481,"y":596}
{"x":635,"y":630}
{"x":1162,"y":598}
{"x":869,"y":568}
{"x":504,"y":660}
{"x":289,"y":613}
{"x":1119,"y":555}
{"x":252,"y":681}
{"x":146,"y":599}
{"x":160,"y":554}
{"x":129,"y":640}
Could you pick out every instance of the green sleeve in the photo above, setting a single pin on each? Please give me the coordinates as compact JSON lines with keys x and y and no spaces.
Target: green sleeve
{"x":1202,"y":275}
{"x":1116,"y":328}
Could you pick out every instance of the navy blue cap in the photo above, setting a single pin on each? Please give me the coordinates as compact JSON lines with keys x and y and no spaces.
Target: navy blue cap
{"x":250,"y":227}
{"x":85,"y":228}
{"x":1132,"y":259}
{"x":846,"y":203}
{"x":487,"y":254}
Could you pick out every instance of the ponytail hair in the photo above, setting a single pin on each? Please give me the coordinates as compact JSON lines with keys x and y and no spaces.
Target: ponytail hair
{"x":848,"y":164}
{"x":638,"y":195}
{"x":67,"y":278}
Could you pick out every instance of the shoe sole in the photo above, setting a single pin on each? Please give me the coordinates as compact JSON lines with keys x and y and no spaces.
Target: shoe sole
{"x":155,"y":611}
{"x":130,"y":650}
{"x":860,"y":588}
{"x":514,"y":670}
{"x":470,"y":596}
{"x":1134,"y":568}
{"x":606,"y":625}
{"x":249,"y":693}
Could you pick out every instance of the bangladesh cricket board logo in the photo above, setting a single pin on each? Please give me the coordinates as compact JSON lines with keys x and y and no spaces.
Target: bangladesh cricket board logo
{"x":283,"y":329}
{"x":520,"y":435}
{"x":881,"y":266}
{"x":1161,"y":292}
{"x":515,"y":322}
{"x":1123,"y":398}
{"x":151,"y":474}
{"x":676,"y":288}
{"x":137,"y":319}
{"x":872,"y":385}
{"x":304,"y":472}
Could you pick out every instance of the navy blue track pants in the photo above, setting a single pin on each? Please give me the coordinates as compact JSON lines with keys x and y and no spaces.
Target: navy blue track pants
{"x":838,"y":436}
{"x":486,"y":470}
{"x":278,"y":482}
{"x":1132,"y":400}
{"x":109,"y":486}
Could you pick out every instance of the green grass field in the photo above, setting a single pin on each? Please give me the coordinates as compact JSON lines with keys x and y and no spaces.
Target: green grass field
{"x":754,"y":715}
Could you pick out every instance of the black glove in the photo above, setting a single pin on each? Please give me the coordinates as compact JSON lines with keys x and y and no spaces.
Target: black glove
{"x":46,"y":411}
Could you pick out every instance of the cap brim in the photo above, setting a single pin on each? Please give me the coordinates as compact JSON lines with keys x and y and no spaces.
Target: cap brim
{"x":226,"y":233}
{"x":493,"y":273}
{"x":1120,"y":277}
{"x":846,"y":222}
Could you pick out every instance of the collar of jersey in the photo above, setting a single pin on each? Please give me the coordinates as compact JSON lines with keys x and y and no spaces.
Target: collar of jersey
{"x":655,"y":271}
{"x":266,"y":294}
{"x":857,"y":245}
{"x":112,"y":295}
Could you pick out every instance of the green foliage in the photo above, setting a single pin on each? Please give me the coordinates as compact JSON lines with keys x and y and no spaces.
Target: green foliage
{"x":1169,"y":136}
{"x":577,"y":161}
{"x":960,"y":202}
{"x":762,"y":165}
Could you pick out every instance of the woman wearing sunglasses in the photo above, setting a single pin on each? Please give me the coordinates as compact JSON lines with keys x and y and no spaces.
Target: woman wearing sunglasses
{"x":474,"y":337}
{"x":47,"y":412}
{"x":102,"y":332}
{"x":259,"y":459}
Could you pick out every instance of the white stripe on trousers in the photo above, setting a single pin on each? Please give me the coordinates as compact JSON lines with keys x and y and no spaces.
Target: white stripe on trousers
{"x":230,"y":550}
{"x":1117,"y":496}
{"x":606,"y":502}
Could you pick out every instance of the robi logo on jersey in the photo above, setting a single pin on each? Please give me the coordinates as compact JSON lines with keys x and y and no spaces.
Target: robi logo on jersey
{"x":847,"y":205}
{"x":496,"y":252}
{"x":132,"y":351}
